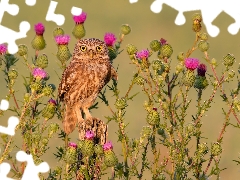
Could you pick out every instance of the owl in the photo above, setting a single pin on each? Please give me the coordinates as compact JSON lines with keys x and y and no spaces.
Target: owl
{"x":88,"y":72}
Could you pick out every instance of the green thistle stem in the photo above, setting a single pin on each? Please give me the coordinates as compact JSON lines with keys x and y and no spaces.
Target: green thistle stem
{"x":124,"y":142}
{"x":131,"y":86}
{"x":190,"y":51}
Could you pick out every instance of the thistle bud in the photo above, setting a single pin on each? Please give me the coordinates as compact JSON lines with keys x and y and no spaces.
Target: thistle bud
{"x":231,"y":74}
{"x":80,"y":144}
{"x":98,"y":149}
{"x":112,"y":53}
{"x":196,"y":27}
{"x":139,"y":80}
{"x":110,"y":158}
{"x":236,"y":103}
{"x":155,"y":45}
{"x":180,"y":56}
{"x":197,"y":17}
{"x":189,"y":78}
{"x":200,"y":82}
{"x":203,"y":46}
{"x":216,"y":149}
{"x":35,"y":86}
{"x":125,"y":29}
{"x":49,"y":110}
{"x":13,"y":74}
{"x":63,"y":53}
{"x":58,"y":31}
{"x":79,"y":30}
{"x":88,"y":148}
{"x":202,"y":149}
{"x":26,"y":97}
{"x":166,"y":50}
{"x":147,"y":106}
{"x":156,"y":65}
{"x":131,"y":49}
{"x":47,"y":91}
{"x":121,"y":103}
{"x":228,"y":60}
{"x":153,"y":117}
{"x":203,"y":36}
{"x":36,"y":137}
{"x":38,"y":43}
{"x":214,"y":62}
{"x":189,"y":128}
{"x":45,"y":141}
{"x":179,"y":68}
{"x":161,"y":131}
{"x":42,"y":61}
{"x":22,"y":50}
{"x":71,"y":153}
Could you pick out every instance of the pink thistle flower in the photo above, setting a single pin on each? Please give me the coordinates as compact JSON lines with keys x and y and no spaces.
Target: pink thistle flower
{"x":89,"y":135}
{"x":201,"y":69}
{"x":191,"y":63}
{"x":163,"y":41}
{"x":3,"y":49}
{"x":110,"y":39}
{"x":39,"y":73}
{"x":142,"y":54}
{"x":108,"y":146}
{"x":52,"y":101}
{"x":62,"y":39}
{"x":39,"y":28}
{"x":80,"y":18}
{"x":72,"y":144}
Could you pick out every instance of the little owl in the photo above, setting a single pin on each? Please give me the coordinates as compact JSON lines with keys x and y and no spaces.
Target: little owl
{"x":88,"y":72}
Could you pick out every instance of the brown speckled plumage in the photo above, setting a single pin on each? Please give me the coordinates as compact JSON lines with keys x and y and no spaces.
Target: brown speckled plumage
{"x":88,"y":72}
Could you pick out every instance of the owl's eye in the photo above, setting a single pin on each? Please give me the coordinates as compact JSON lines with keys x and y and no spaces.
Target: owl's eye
{"x":83,"y":48}
{"x":99,"y":48}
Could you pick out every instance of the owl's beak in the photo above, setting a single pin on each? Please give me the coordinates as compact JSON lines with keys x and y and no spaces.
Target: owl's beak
{"x":91,"y":54}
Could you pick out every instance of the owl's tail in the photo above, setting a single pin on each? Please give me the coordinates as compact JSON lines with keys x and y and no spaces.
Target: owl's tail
{"x":70,"y":119}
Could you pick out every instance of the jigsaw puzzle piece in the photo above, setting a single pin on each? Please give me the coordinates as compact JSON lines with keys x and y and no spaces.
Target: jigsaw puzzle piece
{"x":4,"y":170}
{"x":231,"y":8}
{"x":51,"y":16}
{"x":30,"y":2}
{"x":76,"y":11}
{"x":12,"y":9}
{"x":12,"y":123}
{"x":209,"y":15}
{"x":9,"y":36}
{"x":31,"y":171}
{"x":4,"y":105}
{"x":133,"y":1}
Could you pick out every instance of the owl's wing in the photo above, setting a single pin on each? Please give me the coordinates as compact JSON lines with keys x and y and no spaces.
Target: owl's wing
{"x":114,"y":73}
{"x":69,"y":77}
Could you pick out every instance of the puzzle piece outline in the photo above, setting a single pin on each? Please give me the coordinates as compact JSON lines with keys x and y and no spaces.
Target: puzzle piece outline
{"x":9,"y":36}
{"x":209,"y":14}
{"x":12,"y":121}
{"x":31,"y":171}
{"x":21,"y":156}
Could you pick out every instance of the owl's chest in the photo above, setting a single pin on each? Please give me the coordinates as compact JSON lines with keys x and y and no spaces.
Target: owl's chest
{"x":99,"y":71}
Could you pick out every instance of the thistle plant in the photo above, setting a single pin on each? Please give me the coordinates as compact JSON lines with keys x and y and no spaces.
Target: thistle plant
{"x":167,"y":98}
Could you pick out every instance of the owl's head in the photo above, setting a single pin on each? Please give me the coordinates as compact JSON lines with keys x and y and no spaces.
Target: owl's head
{"x":90,"y":49}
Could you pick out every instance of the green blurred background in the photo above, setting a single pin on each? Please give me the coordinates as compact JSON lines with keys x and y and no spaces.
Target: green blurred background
{"x":107,"y":16}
